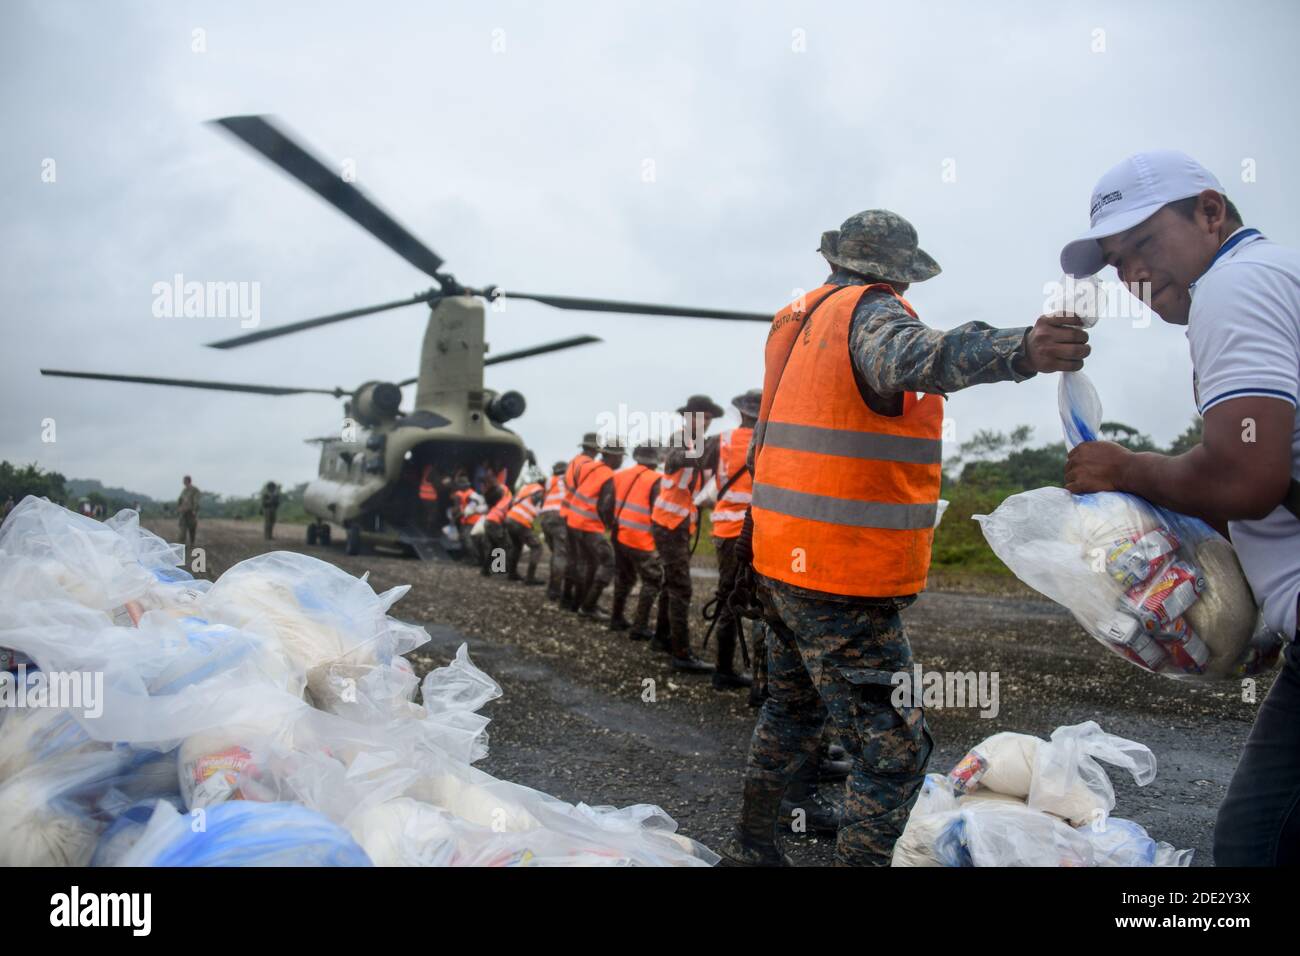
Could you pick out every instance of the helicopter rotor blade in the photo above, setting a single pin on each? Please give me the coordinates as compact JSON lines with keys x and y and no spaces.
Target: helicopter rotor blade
{"x":635,"y":308}
{"x":275,"y":331}
{"x":258,"y":133}
{"x":199,"y":383}
{"x":527,"y":353}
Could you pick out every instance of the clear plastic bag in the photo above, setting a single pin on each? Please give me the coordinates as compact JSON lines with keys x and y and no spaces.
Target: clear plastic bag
{"x":240,"y":833}
{"x":1051,"y":806}
{"x":1161,"y":589}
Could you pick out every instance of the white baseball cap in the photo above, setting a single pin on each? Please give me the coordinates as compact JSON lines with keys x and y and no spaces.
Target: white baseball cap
{"x":1130,"y":193}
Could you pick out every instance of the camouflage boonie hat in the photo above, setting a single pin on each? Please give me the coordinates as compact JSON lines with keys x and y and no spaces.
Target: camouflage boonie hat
{"x":749,"y":403}
{"x":613,"y":446}
{"x":590,"y":440}
{"x":880,"y":244}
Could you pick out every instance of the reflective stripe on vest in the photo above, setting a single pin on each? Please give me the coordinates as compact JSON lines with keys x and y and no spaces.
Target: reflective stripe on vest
{"x":572,"y":476}
{"x":427,"y":491}
{"x":524,"y":509}
{"x":497,"y":513}
{"x":462,"y":501}
{"x":844,"y":499}
{"x":729,"y":512}
{"x":676,"y":501}
{"x":632,"y":506}
{"x":582,"y":508}
{"x":555,"y":491}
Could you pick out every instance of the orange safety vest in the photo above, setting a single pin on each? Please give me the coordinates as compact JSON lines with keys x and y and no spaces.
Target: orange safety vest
{"x":844,"y":499}
{"x":582,"y":509}
{"x":729,"y":512}
{"x":676,"y":501}
{"x":572,"y":476}
{"x":462,"y":498}
{"x":632,"y":506}
{"x":427,"y":491}
{"x":524,"y":509}
{"x":497,"y":513}
{"x":555,"y":492}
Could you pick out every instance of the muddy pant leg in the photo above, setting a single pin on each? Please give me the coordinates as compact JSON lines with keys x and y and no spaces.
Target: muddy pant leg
{"x":727,"y":624}
{"x":529,"y":539}
{"x":624,"y":578}
{"x":557,"y":538}
{"x":598,"y":555}
{"x":760,"y":634}
{"x":651,"y":572}
{"x":789,"y":726}
{"x":574,"y":571}
{"x":1259,"y":821}
{"x":851,"y":652}
{"x":514,"y":539}
{"x":674,"y":548}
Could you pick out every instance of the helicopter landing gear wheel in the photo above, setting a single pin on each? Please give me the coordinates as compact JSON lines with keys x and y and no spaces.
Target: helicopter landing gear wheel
{"x":325,"y":534}
{"x":353,"y":545}
{"x":311,"y":534}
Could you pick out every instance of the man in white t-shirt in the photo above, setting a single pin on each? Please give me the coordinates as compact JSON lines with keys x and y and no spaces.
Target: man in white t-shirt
{"x":1163,"y":221}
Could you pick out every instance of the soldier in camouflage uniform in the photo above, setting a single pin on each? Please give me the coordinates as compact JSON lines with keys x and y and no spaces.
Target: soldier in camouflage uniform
{"x":833,"y":656}
{"x":187,"y":508}
{"x":556,"y":533}
{"x":270,"y":504}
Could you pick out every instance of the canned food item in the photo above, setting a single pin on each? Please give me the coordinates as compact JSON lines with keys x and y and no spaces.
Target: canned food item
{"x":965,"y":777}
{"x":1166,"y":596}
{"x":1186,"y":650}
{"x":1132,"y":560}
{"x":1128,"y":636}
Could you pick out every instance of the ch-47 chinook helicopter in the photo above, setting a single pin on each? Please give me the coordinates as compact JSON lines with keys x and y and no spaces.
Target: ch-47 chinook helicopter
{"x":371,"y":472}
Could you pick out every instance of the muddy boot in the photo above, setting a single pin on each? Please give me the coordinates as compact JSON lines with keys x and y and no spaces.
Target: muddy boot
{"x":757,"y":694}
{"x":642,"y":634}
{"x":532,"y":580}
{"x":730,"y":680}
{"x":617,"y":622}
{"x":724,"y":675}
{"x":569,"y":598}
{"x":803,"y":808}
{"x":591,"y":605}
{"x":754,"y":842}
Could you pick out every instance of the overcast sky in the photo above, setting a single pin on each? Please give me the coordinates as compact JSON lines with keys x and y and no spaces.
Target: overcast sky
{"x":515,"y":140}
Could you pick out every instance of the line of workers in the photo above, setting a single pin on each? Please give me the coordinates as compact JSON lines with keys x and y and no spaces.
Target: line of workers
{"x":606,"y":524}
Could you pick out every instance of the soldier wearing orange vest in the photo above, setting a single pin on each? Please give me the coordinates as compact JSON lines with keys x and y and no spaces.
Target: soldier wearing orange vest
{"x":726,"y":458}
{"x":555,"y":529}
{"x":497,"y":549}
{"x":673,"y":520}
{"x":635,"y":490}
{"x":846,"y":461}
{"x":574,"y":572}
{"x":524,"y":508}
{"x":591,"y":511}
{"x":468,"y":510}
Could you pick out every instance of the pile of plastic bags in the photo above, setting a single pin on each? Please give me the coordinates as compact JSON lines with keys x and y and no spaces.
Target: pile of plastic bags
{"x":1161,"y":589}
{"x":267,"y":718}
{"x":1017,"y":800}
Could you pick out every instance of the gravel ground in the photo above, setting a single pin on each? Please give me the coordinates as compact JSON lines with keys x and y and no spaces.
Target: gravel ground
{"x":574,"y":723}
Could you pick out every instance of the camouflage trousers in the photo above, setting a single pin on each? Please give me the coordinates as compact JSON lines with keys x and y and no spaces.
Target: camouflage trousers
{"x":557,"y":539}
{"x":496,"y":548}
{"x":836,"y":659}
{"x":574,"y":569}
{"x":630,"y":564}
{"x":597,"y":563}
{"x":189,"y":528}
{"x":727,"y":626}
{"x":521,"y":537}
{"x":674,"y":547}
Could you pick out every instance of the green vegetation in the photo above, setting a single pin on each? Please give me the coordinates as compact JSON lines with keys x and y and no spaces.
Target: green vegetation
{"x":992,"y":466}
